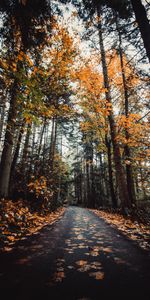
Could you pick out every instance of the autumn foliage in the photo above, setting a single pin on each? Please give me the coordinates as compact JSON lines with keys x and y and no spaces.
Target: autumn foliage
{"x":74,"y":123}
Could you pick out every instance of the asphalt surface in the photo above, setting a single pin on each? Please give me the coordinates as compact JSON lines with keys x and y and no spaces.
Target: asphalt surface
{"x":78,"y":257}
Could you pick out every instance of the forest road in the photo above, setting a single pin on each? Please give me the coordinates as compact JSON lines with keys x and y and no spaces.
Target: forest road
{"x":78,"y":257}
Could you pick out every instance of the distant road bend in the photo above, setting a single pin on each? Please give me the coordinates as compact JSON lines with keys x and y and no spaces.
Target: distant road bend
{"x":78,"y":257}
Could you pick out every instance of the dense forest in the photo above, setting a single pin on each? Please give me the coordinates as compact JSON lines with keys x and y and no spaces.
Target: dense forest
{"x":74,"y":103}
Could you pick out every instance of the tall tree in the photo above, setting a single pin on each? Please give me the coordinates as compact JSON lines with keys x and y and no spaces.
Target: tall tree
{"x":20,"y":16}
{"x":129,"y":173}
{"x":143,"y":23}
{"x":123,"y":192}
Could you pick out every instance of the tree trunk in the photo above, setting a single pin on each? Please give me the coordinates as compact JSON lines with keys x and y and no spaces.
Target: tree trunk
{"x":120,"y":176}
{"x":6,"y":158}
{"x":53,"y":144}
{"x":103,"y":187}
{"x":52,"y":138}
{"x":16,"y":155}
{"x":41,"y":137}
{"x":88,"y":183}
{"x":24,"y":161}
{"x":143,"y":23}
{"x":84,"y":184}
{"x":32,"y":168}
{"x":92,"y":180}
{"x":110,"y":173}
{"x":59,"y":175}
{"x":129,"y":173}
{"x":2,"y":112}
{"x":26,"y":145}
{"x":142,"y":183}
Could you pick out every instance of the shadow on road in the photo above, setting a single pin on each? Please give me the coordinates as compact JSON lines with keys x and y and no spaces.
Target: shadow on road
{"x":80,"y":257}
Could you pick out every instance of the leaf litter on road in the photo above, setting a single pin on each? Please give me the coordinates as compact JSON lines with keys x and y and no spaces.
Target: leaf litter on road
{"x":135,"y":230}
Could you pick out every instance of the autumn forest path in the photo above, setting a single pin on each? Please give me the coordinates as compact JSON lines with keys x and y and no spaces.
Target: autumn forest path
{"x":78,"y":257}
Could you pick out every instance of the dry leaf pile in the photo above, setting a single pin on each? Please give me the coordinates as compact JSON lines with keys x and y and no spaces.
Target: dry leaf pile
{"x":136,"y":230}
{"x":17,"y":221}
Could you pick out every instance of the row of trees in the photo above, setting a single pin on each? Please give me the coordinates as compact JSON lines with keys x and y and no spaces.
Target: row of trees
{"x":51,"y":91}
{"x":119,"y":141}
{"x":35,"y":102}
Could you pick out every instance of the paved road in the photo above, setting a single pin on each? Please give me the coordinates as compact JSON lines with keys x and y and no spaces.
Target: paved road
{"x":78,"y":257}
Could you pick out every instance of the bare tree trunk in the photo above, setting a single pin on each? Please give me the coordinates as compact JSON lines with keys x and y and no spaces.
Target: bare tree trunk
{"x":102,"y":182}
{"x":6,"y":158}
{"x":88,"y":183}
{"x":41,"y":137}
{"x":142,"y":183}
{"x":26,"y":145}
{"x":16,"y":155}
{"x":53,"y":144}
{"x":143,"y":23}
{"x":92,"y":177}
{"x":32,"y":169}
{"x":120,"y":175}
{"x":25,"y":155}
{"x":2,"y":112}
{"x":81,"y":184}
{"x":59,"y":179}
{"x":110,"y":173}
{"x":129,"y":173}
{"x":84,"y":184}
{"x":52,"y":138}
